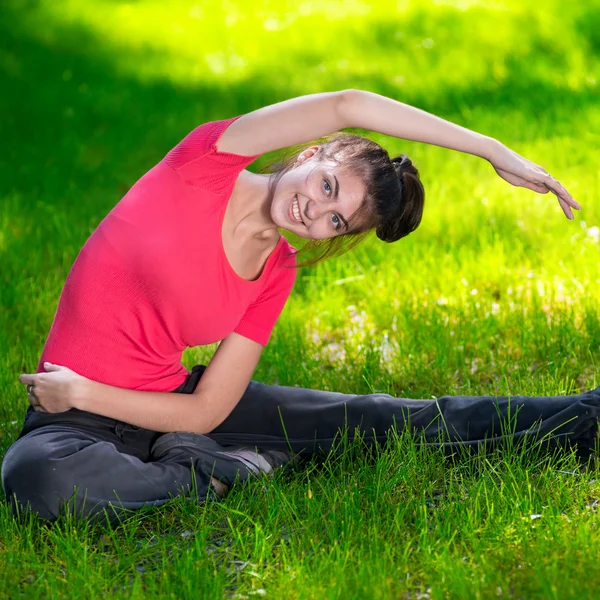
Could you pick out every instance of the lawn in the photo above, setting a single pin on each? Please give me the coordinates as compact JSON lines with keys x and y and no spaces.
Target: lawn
{"x":495,"y":293}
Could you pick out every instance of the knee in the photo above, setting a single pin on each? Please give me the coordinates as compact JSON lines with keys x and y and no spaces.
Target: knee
{"x":33,"y":480}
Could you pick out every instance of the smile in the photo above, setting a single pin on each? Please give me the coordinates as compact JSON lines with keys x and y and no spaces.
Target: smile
{"x":295,"y":210}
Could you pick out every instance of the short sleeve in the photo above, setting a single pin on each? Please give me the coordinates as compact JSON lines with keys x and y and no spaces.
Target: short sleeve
{"x":199,"y":162}
{"x":261,"y":316}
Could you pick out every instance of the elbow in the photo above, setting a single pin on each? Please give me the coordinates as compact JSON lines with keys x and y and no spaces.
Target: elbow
{"x":346,"y":107}
{"x":201,"y":428}
{"x":204,"y":419}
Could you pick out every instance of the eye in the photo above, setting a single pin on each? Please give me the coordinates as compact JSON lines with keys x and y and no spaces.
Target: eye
{"x":336,"y":221}
{"x":327,"y":187}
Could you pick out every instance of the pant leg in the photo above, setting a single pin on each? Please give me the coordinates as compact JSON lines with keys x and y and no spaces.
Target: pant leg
{"x":309,"y":421}
{"x":58,"y":468}
{"x":95,"y":467}
{"x":45,"y":466}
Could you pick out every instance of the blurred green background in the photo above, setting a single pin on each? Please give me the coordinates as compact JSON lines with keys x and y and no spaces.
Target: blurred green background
{"x":496,"y":291}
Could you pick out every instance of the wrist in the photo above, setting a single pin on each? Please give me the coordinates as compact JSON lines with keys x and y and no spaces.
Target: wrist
{"x":490,"y":147}
{"x":82,"y":393}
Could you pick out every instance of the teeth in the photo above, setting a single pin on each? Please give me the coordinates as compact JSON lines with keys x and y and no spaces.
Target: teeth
{"x":296,"y":210}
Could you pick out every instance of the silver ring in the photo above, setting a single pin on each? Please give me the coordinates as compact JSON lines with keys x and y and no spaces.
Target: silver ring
{"x":30,"y":389}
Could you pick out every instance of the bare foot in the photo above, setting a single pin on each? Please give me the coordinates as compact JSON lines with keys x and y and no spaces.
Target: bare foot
{"x":219,"y":487}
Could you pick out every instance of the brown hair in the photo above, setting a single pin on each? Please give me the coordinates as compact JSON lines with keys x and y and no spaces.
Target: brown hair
{"x":394,"y":197}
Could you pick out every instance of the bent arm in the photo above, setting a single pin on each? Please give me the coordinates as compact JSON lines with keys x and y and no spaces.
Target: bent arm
{"x":307,"y":118}
{"x":220,"y":389}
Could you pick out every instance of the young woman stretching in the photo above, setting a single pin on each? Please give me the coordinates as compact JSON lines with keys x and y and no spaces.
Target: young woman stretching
{"x":193,"y":255}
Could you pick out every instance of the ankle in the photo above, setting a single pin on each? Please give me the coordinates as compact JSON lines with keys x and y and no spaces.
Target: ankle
{"x":220,"y":488}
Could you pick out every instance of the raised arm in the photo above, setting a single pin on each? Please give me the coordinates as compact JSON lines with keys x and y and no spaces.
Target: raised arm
{"x":307,"y":118}
{"x":219,"y":390}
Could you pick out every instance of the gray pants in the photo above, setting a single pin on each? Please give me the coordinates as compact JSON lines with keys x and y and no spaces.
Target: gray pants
{"x":97,"y":467}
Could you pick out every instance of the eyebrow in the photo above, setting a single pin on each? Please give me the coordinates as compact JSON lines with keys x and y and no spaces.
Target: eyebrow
{"x":336,"y":191}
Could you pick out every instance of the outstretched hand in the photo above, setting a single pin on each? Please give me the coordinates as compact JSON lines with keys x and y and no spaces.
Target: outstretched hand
{"x":521,"y":172}
{"x":55,"y":391}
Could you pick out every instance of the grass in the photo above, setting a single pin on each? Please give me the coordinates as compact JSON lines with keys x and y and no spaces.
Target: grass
{"x":495,"y":293}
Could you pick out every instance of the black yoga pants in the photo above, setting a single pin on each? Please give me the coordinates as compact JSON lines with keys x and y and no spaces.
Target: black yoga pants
{"x":95,"y":467}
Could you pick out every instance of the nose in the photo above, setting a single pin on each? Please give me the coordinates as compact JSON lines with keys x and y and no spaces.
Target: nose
{"x":314,"y":209}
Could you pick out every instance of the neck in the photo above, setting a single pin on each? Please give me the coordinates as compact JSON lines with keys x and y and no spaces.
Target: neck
{"x":250,"y":206}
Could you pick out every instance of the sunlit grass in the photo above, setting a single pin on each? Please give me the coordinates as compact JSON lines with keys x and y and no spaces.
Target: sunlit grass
{"x":413,"y":47}
{"x":495,"y":293}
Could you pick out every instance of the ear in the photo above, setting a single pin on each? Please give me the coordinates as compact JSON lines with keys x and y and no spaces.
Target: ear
{"x":306,"y":154}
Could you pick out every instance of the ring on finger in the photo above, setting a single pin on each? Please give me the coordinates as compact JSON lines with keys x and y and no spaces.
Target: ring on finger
{"x":30,"y":389}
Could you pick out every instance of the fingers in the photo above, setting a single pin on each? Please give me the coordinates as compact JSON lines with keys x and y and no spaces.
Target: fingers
{"x":566,"y":208}
{"x":28,"y":379}
{"x":35,"y":404}
{"x":33,"y":399}
{"x":549,"y":183}
{"x":565,"y":199}
{"x":540,"y":189}
{"x":31,"y":378}
{"x":516,"y":180}
{"x":540,"y":181}
{"x":49,"y":367}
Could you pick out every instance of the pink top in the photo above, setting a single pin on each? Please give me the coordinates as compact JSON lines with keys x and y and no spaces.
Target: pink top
{"x":154,"y":279}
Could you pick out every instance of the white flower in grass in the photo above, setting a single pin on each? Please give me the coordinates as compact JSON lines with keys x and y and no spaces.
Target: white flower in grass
{"x":333,"y":353}
{"x":475,"y":364}
{"x":387,"y":352}
{"x":594,"y":234}
{"x":316,"y":336}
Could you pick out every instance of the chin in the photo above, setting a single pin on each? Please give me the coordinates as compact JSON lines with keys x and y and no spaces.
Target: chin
{"x":280,"y":221}
{"x":279,"y":216}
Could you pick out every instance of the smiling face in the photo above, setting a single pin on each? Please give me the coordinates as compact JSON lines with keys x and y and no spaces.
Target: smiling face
{"x":316,"y":199}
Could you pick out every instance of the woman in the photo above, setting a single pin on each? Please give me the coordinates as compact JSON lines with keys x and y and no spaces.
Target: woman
{"x":193,"y":255}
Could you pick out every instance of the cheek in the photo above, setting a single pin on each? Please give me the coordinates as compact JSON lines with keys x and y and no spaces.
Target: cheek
{"x":281,"y":198}
{"x":321,"y":230}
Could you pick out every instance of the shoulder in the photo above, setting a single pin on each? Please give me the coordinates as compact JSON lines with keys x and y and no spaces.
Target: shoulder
{"x":199,"y":161}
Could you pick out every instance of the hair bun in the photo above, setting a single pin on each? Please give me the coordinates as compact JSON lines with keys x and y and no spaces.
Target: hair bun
{"x":403,"y":164}
{"x":404,"y":216}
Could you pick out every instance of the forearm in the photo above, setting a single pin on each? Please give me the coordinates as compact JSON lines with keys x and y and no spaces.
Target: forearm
{"x":158,"y":411}
{"x":371,"y":111}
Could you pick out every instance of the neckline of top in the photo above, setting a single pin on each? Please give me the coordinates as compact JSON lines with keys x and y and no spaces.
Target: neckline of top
{"x":266,"y":267}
